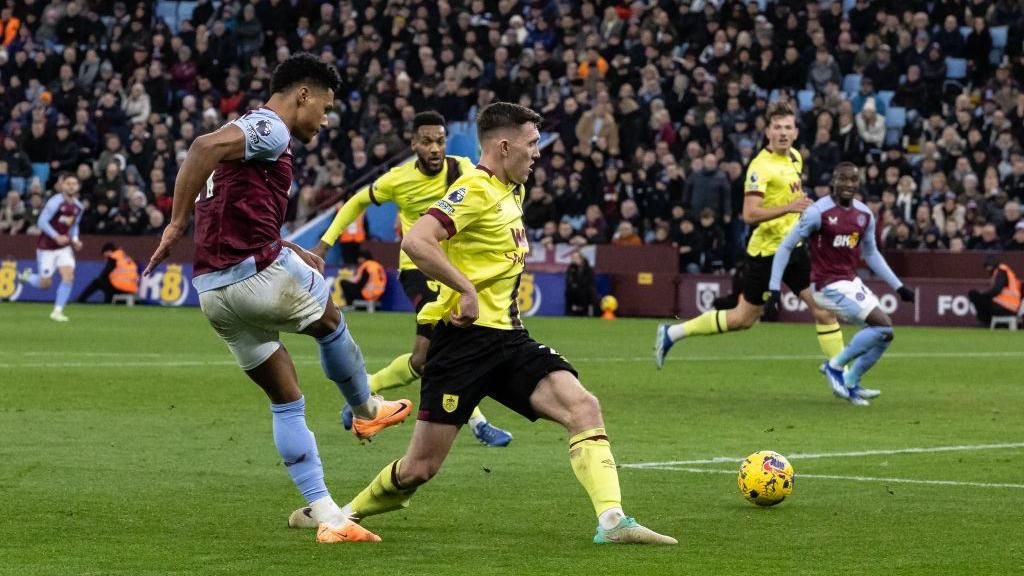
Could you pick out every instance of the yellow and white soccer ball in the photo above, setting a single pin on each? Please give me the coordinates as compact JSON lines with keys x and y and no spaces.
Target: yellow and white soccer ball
{"x":609,"y":303}
{"x":765,"y":478}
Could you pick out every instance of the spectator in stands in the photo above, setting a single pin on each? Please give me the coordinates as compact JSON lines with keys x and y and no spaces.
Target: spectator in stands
{"x":884,"y":74}
{"x":19,"y":166}
{"x":948,"y":210}
{"x":712,"y":242}
{"x":987,"y":239}
{"x":1011,"y":218}
{"x":901,"y":239}
{"x":580,"y":290}
{"x":1003,"y":298}
{"x":823,"y":70}
{"x":949,"y":37}
{"x":1016,"y":243}
{"x":538,"y":208}
{"x":871,"y":125}
{"x":687,"y":242}
{"x":12,"y":215}
{"x":625,"y":235}
{"x":708,"y":188}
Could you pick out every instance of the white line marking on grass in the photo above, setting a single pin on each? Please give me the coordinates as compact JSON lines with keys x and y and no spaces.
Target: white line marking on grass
{"x":851,"y":478}
{"x":52,"y":353}
{"x":955,"y":356}
{"x":858,"y":454}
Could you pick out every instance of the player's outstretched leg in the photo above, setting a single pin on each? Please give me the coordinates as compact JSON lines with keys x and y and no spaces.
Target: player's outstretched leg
{"x":398,"y":373}
{"x":590,"y":455}
{"x":560,"y":397}
{"x":710,"y":323}
{"x":297,"y":447}
{"x":707,"y":324}
{"x":486,"y":432}
{"x":342,"y":362}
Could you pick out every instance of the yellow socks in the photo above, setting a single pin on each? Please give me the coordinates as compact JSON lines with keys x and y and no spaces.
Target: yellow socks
{"x":382,"y":495}
{"x":592,"y":462}
{"x":710,"y":322}
{"x":398,"y":373}
{"x":830,"y":338}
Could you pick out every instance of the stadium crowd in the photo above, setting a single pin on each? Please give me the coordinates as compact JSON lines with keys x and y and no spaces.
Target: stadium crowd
{"x":658,"y":106}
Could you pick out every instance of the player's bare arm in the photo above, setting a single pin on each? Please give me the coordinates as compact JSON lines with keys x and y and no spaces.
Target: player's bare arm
{"x":755,"y":213}
{"x":352,"y":208}
{"x":206,"y":152}
{"x":423,"y":245}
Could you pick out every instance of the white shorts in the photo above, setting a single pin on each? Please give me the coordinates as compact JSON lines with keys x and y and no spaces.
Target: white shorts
{"x":49,"y":260}
{"x":286,"y":296}
{"x":851,"y":300}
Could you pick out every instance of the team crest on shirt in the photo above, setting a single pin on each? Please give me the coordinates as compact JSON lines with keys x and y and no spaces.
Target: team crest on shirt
{"x":450,"y":402}
{"x":861,"y":220}
{"x":263,"y":127}
{"x":457,"y":195}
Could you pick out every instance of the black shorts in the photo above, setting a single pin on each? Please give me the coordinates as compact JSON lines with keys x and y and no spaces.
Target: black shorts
{"x":417,"y":289}
{"x":466,"y":364}
{"x":758,"y":273}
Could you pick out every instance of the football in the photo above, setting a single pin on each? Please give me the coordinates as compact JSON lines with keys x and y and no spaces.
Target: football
{"x":765,"y":478}
{"x":609,"y":303}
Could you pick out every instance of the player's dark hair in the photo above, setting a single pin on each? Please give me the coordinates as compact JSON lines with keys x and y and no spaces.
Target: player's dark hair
{"x":778,"y":109}
{"x":108,"y":247}
{"x":504,"y":115}
{"x":428,"y":118}
{"x":304,"y":67}
{"x":845,"y":166}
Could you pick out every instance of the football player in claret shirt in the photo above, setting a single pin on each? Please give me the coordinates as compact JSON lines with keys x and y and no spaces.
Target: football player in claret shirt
{"x":58,"y":223}
{"x":253,"y":285}
{"x":838,"y":229}
{"x":772,"y":203}
{"x":413,"y":187}
{"x":473,"y":241}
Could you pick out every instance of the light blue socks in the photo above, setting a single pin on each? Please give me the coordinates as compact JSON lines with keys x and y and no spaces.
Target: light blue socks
{"x":342,"y":362}
{"x":297,"y":447}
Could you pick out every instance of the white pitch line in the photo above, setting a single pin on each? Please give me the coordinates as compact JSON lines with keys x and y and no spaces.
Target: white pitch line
{"x":858,"y":454}
{"x":602,"y":360}
{"x":852,"y":478}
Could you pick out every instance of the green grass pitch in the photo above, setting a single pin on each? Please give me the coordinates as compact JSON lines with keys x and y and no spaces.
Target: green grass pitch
{"x":130,"y":444}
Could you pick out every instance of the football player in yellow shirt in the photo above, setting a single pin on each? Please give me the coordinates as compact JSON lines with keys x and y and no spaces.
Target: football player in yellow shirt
{"x":413,"y":187}
{"x":474,"y":242}
{"x":773,"y":201}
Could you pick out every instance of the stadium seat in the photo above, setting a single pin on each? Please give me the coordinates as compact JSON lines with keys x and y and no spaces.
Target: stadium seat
{"x":848,"y":5}
{"x":965,"y":31}
{"x":895,"y":117}
{"x":995,"y":56}
{"x":126,"y":299}
{"x":956,"y":68}
{"x":1011,"y":322}
{"x":806,"y":98}
{"x":368,"y":305}
{"x":999,"y":35}
{"x":851,"y":84}
{"x":886,"y":97}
